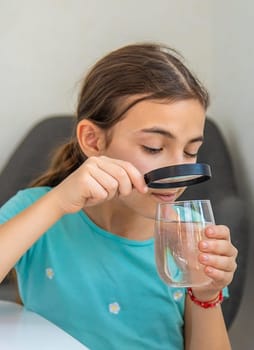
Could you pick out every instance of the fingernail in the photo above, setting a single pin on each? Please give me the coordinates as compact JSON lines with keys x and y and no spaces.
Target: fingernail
{"x":210,"y":231}
{"x":145,"y":189}
{"x":205,"y":257}
{"x":209,"y":270}
{"x":204,"y":245}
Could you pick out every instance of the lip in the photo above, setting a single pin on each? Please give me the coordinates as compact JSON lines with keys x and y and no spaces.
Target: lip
{"x":165,"y":197}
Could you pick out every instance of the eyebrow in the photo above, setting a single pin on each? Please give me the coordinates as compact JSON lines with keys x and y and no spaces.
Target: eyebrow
{"x":168,"y":134}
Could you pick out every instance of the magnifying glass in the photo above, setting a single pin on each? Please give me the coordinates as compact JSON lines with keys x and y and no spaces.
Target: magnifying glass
{"x":180,"y":175}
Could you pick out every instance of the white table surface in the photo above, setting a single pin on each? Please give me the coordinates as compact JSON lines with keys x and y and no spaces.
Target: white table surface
{"x":24,"y":330}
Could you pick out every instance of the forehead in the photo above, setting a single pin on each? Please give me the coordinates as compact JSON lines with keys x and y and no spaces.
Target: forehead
{"x":187,"y":116}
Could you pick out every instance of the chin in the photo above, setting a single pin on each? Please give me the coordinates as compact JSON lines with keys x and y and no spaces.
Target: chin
{"x":140,"y":206}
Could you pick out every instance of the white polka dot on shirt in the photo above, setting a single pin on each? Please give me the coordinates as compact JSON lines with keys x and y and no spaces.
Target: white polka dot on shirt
{"x":114,"y":308}
{"x":178,"y":295}
{"x":49,"y":273}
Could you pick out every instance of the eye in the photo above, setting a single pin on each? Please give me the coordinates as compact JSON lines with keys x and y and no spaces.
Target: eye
{"x":192,"y":150}
{"x":152,"y":150}
{"x":191,"y":155}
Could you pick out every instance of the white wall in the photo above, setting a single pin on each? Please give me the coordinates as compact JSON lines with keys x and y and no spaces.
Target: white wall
{"x":46,"y":46}
{"x":233,"y":92}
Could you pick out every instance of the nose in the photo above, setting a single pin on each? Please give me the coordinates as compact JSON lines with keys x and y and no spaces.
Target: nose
{"x":176,"y":158}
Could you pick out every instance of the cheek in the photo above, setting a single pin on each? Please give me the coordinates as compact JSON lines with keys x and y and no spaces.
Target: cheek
{"x":141,"y":164}
{"x":124,"y":153}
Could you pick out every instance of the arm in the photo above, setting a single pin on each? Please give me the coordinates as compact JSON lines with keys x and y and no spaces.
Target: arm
{"x":97,"y":180}
{"x":19,"y":233}
{"x":205,"y":328}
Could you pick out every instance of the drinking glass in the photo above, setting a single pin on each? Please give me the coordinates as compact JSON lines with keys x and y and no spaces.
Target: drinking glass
{"x":179,"y":226}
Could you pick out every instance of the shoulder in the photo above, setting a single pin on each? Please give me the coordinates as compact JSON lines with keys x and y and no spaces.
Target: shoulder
{"x":21,"y":200}
{"x":32,"y":194}
{"x":27,"y":196}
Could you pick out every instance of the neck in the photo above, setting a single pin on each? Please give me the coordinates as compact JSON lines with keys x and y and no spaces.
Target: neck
{"x":121,"y":220}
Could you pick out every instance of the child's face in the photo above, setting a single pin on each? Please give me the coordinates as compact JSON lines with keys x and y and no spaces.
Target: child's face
{"x":154,"y":135}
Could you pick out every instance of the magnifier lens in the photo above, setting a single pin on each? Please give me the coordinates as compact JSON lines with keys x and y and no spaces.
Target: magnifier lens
{"x":178,"y":175}
{"x":176,"y":179}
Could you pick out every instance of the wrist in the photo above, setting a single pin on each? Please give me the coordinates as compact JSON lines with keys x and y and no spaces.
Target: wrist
{"x":208,"y":303}
{"x":204,"y":295}
{"x":55,"y":203}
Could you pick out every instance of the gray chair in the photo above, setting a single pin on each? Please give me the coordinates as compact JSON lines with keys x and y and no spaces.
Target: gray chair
{"x":32,"y":156}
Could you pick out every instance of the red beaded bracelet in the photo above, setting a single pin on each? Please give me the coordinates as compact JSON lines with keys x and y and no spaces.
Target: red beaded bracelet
{"x":206,"y":304}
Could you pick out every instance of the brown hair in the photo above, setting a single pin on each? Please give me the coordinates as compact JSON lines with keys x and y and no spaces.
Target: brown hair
{"x":148,"y":70}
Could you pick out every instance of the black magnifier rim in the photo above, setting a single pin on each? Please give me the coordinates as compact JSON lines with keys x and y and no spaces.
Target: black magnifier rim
{"x":201,"y":170}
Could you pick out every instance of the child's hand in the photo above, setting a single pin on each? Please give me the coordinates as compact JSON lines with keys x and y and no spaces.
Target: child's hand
{"x":219,"y":257}
{"x":98,"y":179}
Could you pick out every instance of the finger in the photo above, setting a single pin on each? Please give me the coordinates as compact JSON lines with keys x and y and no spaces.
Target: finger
{"x":220,"y":277}
{"x":105,"y":180}
{"x":115,"y":167}
{"x":218,"y":232}
{"x":137,"y":179}
{"x":115,"y":175}
{"x":218,"y":247}
{"x":97,"y":192}
{"x":218,"y":262}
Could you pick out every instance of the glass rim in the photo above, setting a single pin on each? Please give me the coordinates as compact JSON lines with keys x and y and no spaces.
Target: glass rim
{"x":184,"y":201}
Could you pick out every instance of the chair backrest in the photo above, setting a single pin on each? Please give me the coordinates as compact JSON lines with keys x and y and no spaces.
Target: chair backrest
{"x":33,"y":154}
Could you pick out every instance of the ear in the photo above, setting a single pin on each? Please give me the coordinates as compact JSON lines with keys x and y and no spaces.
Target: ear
{"x":90,"y":137}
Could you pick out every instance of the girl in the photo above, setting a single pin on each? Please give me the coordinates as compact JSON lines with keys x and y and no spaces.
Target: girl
{"x":81,"y":239}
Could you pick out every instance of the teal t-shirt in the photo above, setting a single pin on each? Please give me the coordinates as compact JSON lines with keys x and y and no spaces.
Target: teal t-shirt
{"x":101,"y":288}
